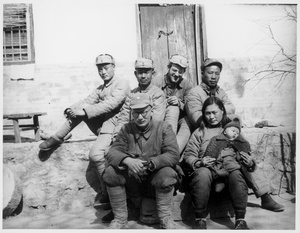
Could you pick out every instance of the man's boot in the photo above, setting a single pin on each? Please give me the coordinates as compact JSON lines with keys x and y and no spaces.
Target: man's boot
{"x":50,"y":143}
{"x":268,"y":203}
{"x":240,"y":224}
{"x":200,"y":223}
{"x":117,"y":196}
{"x":60,"y":136}
{"x":133,"y":210}
{"x":164,"y":209}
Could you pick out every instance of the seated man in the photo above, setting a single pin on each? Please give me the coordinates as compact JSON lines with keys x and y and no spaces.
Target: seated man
{"x":99,"y":111}
{"x":142,"y":162}
{"x":175,"y":87}
{"x":144,"y":70}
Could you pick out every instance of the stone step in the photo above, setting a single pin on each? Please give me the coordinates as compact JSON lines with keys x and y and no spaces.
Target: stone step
{"x":65,"y":179}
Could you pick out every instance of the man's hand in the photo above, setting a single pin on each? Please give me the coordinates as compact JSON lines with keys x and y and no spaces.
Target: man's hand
{"x":136,"y":166}
{"x":76,"y":112}
{"x":208,"y":161}
{"x":246,"y":159}
{"x":114,"y":137}
{"x":173,"y":100}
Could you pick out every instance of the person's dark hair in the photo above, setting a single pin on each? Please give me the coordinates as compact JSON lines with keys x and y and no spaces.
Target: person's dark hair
{"x":209,"y":101}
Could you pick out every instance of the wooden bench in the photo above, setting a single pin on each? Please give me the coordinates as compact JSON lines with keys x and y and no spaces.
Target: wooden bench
{"x":18,"y":127}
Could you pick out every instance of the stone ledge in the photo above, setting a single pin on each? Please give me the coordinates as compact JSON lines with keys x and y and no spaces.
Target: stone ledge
{"x":62,"y":179}
{"x":65,"y":179}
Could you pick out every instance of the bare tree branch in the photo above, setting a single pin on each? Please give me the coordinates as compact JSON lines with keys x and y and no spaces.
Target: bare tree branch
{"x":282,"y":64}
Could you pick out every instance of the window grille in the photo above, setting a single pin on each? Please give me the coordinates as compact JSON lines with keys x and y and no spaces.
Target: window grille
{"x":18,"y":34}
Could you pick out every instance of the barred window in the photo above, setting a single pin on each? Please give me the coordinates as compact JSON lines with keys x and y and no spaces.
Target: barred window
{"x":18,"y":47}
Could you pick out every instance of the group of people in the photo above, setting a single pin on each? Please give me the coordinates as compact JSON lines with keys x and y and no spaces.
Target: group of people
{"x":165,"y":129}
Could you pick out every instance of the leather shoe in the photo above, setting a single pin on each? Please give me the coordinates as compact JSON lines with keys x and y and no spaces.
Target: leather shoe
{"x":268,"y":203}
{"x":50,"y":143}
{"x":200,"y":224}
{"x":241,"y":224}
{"x":117,"y":224}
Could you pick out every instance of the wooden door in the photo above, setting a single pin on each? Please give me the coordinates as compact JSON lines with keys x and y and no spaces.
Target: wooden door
{"x":171,"y":29}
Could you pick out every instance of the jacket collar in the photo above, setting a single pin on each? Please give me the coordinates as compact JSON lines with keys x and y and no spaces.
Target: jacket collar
{"x":146,"y":90}
{"x":110,"y":82}
{"x":208,"y":90}
{"x":146,"y":133}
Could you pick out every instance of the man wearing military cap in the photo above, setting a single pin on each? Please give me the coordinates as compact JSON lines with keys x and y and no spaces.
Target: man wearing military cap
{"x":142,"y":162}
{"x":99,"y":111}
{"x":211,"y":70}
{"x":144,"y":70}
{"x":175,"y":87}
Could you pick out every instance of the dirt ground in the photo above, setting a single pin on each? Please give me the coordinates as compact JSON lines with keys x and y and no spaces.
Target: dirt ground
{"x":89,"y":218}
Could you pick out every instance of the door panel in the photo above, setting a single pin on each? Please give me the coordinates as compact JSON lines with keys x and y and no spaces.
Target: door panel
{"x":153,"y":20}
{"x":177,"y":26}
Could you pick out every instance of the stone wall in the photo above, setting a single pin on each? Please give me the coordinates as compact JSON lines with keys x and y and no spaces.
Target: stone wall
{"x":56,"y":86}
{"x":53,"y":180}
{"x":65,"y":179}
{"x":257,"y":98}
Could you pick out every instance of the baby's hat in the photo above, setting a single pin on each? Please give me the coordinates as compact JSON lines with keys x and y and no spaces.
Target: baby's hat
{"x":234,"y":123}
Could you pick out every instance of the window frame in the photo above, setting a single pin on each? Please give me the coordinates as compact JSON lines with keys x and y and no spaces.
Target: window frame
{"x":29,"y":34}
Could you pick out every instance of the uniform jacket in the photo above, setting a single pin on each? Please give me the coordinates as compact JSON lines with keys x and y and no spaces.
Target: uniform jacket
{"x":180,"y":90}
{"x":106,"y":101}
{"x":197,"y":145}
{"x":196,"y":98}
{"x":155,"y":144}
{"x":158,"y":101}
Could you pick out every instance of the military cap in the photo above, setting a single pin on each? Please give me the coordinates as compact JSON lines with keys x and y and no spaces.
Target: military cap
{"x":210,"y":62}
{"x":104,"y":59}
{"x":179,"y":60}
{"x":140,"y":100}
{"x":144,"y":63}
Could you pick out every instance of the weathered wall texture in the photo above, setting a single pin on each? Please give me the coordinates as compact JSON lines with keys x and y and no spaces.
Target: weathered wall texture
{"x":55,"y":87}
{"x":272,"y":99}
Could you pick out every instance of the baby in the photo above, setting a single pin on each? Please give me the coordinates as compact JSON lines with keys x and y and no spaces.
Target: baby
{"x":231,"y":152}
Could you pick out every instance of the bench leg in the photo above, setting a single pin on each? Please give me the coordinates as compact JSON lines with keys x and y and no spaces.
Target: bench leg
{"x":17,"y":131}
{"x":37,"y":128}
